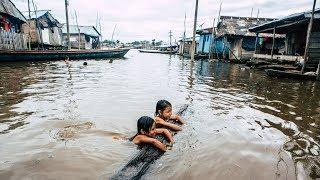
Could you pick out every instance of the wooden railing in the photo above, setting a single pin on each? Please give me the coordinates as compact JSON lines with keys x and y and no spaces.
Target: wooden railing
{"x":12,"y":41}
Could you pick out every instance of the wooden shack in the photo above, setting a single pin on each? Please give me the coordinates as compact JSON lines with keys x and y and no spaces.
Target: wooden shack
{"x":89,"y":37}
{"x":294,"y":27}
{"x":11,"y":20}
{"x":234,"y":41}
{"x":45,"y":31}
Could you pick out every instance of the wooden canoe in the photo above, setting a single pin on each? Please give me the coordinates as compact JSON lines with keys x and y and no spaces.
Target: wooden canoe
{"x":60,"y":55}
{"x":157,"y":51}
{"x":290,"y":74}
{"x":141,"y":162}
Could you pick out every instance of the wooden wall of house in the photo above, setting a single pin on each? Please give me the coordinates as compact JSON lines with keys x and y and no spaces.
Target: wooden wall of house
{"x":10,"y":40}
{"x":51,"y":36}
{"x":314,"y":49}
{"x":32,"y":31}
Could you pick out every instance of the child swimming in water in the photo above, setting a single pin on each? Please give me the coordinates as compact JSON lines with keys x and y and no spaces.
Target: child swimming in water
{"x":147,"y":130}
{"x":164,"y":113}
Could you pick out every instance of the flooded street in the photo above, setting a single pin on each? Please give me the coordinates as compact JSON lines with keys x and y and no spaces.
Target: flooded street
{"x":67,"y":121}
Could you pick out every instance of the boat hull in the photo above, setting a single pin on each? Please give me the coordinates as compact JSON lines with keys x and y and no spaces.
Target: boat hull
{"x":6,"y":56}
{"x":157,"y":51}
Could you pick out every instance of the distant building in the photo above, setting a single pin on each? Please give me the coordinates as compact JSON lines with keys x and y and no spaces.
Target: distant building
{"x":45,"y":31}
{"x":11,"y":20}
{"x":185,"y":48}
{"x":89,"y":37}
{"x":295,"y":28}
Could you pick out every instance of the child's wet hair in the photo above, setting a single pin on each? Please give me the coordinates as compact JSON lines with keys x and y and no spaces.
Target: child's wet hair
{"x":162,"y":105}
{"x":144,"y":123}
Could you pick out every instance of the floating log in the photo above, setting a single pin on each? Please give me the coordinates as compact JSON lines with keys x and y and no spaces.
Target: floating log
{"x":290,"y":74}
{"x":148,"y":154}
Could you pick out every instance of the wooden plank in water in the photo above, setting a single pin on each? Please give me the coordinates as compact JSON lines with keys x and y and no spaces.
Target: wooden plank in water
{"x":141,"y":162}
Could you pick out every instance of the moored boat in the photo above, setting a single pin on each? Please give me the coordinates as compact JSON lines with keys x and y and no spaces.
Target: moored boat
{"x":6,"y":56}
{"x":157,"y":51}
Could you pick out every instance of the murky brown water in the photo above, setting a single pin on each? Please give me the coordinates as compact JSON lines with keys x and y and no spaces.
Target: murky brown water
{"x":59,"y":121}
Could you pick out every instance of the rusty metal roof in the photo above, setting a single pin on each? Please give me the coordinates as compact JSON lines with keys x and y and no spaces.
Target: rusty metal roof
{"x":46,"y":16}
{"x":7,"y":7}
{"x":238,"y":26}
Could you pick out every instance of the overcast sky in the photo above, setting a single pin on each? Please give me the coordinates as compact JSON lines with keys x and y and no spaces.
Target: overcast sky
{"x":153,"y":19}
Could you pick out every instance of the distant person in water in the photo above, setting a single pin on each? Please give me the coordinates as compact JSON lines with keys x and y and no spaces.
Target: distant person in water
{"x":164,"y":113}
{"x":146,"y":127}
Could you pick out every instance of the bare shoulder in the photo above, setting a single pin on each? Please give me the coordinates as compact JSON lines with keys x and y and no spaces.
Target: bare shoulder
{"x":142,"y":139}
{"x":158,"y":119}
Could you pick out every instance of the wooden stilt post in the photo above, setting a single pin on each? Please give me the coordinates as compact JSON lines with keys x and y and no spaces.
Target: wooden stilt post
{"x":212,"y":37}
{"x":305,"y":57}
{"x":256,"y":43}
{"x":29,"y":20}
{"x":194,"y":31}
{"x":318,"y":72}
{"x":67,"y":21}
{"x":273,"y":42}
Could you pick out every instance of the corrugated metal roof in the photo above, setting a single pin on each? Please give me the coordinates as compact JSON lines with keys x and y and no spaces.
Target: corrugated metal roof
{"x":286,"y":20}
{"x":7,"y":7}
{"x":35,"y":14}
{"x":238,"y":26}
{"x":87,"y":30}
{"x":49,"y":20}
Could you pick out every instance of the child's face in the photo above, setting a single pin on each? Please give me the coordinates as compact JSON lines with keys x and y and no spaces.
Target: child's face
{"x":151,"y":131}
{"x":166,"y":113}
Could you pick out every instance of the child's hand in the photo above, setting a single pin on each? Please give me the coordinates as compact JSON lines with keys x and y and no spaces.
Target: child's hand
{"x":178,"y":118}
{"x":169,"y":145}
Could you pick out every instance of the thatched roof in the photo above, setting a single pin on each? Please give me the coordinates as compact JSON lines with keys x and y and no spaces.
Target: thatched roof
{"x":8,"y":8}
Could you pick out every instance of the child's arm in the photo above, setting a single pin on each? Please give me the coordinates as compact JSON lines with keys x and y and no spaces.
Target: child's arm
{"x":177,"y":118}
{"x":166,"y":133}
{"x":145,"y":139}
{"x":168,"y":125}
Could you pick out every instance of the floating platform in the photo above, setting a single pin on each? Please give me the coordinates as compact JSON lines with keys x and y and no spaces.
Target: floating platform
{"x":290,"y":74}
{"x":157,"y":51}
{"x":6,"y":56}
{"x":140,"y":163}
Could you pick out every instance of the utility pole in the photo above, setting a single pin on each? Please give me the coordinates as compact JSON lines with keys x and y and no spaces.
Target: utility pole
{"x":258,"y":13}
{"x":220,"y":11}
{"x":170,"y":36}
{"x":184,"y":33}
{"x":114,"y":29}
{"x":100,"y":33}
{"x":305,"y":57}
{"x":29,"y":21}
{"x":67,"y":21}
{"x":193,"y":51}
{"x":79,"y":37}
{"x":251,"y":12}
